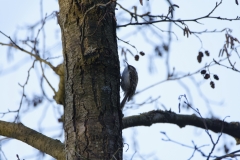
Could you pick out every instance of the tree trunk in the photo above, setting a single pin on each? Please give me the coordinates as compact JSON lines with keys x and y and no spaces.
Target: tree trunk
{"x":93,"y":119}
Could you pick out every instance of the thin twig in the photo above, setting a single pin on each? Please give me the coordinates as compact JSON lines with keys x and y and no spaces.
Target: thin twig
{"x":13,"y":44}
{"x":47,"y":79}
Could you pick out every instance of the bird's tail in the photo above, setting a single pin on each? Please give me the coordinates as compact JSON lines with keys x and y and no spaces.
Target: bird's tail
{"x":124,"y":101}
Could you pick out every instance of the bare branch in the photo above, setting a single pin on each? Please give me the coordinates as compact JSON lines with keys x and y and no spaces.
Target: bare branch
{"x":13,"y":44}
{"x":23,"y":90}
{"x":194,"y":147}
{"x":47,"y":79}
{"x":37,"y":140}
{"x":169,"y":19}
{"x":159,"y":116}
{"x":232,"y":154}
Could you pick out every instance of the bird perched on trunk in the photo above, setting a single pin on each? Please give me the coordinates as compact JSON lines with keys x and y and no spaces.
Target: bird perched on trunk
{"x":128,"y":83}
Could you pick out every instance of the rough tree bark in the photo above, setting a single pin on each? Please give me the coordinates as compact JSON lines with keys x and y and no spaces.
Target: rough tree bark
{"x":93,"y":120}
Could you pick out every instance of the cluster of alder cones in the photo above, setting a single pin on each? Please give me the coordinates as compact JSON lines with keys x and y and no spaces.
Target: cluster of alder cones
{"x":207,"y":76}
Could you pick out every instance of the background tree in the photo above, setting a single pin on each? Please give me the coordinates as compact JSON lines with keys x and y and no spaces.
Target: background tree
{"x":155,"y":33}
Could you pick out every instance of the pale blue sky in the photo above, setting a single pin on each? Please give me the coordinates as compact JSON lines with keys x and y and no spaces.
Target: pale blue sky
{"x":183,"y":53}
